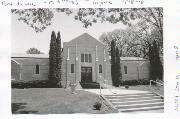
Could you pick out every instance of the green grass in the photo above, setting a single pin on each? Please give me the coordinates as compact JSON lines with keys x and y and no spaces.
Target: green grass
{"x":54,"y":101}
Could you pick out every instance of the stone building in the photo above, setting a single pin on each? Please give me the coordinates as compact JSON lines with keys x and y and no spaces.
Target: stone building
{"x":134,"y":68}
{"x":29,"y":67}
{"x":84,"y":59}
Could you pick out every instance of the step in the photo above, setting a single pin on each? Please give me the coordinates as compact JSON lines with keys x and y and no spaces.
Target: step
{"x":132,"y":96}
{"x":139,"y":105}
{"x":133,"y":99}
{"x":141,"y":109}
{"x":137,"y":102}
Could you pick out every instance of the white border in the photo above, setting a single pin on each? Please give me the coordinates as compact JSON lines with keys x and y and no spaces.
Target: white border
{"x":171,"y":65}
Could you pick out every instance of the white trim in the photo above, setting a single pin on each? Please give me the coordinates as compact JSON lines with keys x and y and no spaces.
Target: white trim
{"x":20,"y":72}
{"x":15,"y":61}
{"x":96,"y":53}
{"x":104,"y":55}
{"x":68,"y":53}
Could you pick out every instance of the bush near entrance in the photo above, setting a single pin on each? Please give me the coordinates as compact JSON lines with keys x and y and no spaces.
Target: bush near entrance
{"x":21,"y":84}
{"x":136,"y":82}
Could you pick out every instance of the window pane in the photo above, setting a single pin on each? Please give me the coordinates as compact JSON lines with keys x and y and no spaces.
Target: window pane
{"x":125,"y":69}
{"x":72,"y":68}
{"x":82,"y":57}
{"x":86,"y":57}
{"x":90,"y":58}
{"x":37,"y":69}
{"x":100,"y":68}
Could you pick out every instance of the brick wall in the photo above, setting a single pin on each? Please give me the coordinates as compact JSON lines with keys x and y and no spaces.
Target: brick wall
{"x":27,"y":68}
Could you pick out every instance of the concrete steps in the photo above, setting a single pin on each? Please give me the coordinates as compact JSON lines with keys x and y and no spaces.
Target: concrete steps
{"x":136,"y":102}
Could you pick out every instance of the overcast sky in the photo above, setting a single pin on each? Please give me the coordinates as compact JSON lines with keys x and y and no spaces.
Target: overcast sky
{"x":24,"y":37}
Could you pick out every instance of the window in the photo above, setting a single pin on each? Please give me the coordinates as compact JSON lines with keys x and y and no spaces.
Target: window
{"x":90,"y":58}
{"x":125,"y":69}
{"x":37,"y":69}
{"x":86,"y":58}
{"x":72,"y":68}
{"x":100,"y":68}
{"x":82,"y":57}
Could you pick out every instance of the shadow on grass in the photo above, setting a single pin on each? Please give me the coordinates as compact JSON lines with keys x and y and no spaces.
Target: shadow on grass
{"x":17,"y":109}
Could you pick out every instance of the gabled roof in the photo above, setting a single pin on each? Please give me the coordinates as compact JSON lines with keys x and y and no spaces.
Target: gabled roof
{"x":85,"y":36}
{"x":22,"y":55}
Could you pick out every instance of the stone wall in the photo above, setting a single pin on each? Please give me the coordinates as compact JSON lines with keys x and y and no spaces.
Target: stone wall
{"x":26,"y":69}
{"x":135,"y":70}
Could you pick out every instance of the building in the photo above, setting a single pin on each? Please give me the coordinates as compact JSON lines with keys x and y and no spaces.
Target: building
{"x":84,"y":59}
{"x":134,"y":68}
{"x":29,"y":67}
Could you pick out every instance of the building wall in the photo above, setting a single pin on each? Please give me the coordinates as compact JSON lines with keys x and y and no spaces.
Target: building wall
{"x":75,"y":48}
{"x":15,"y":70}
{"x":135,"y":70}
{"x":27,"y":68}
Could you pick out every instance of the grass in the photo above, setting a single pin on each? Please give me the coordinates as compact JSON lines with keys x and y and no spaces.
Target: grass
{"x":54,"y":101}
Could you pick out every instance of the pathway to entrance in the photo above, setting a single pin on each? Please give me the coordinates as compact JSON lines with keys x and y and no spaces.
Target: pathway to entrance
{"x":134,"y":101}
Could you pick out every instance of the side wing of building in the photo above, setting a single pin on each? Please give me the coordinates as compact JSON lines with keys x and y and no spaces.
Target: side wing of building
{"x":29,"y":68}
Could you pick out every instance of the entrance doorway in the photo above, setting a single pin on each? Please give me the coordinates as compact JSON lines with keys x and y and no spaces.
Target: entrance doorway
{"x":86,"y":74}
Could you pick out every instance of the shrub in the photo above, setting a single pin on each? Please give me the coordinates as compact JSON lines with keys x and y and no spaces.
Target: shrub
{"x":144,"y":81}
{"x":97,"y":106}
{"x":21,"y":84}
{"x":92,"y":85}
{"x":136,"y":82}
{"x":126,"y":86}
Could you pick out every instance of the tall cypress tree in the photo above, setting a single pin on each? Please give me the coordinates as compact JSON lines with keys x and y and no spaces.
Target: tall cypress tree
{"x":156,"y":68}
{"x":115,"y":65}
{"x":113,"y":62}
{"x":58,"y":59}
{"x":52,"y":60}
{"x":118,"y":67}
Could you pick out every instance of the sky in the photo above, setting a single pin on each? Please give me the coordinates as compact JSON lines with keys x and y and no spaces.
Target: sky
{"x":24,"y":37}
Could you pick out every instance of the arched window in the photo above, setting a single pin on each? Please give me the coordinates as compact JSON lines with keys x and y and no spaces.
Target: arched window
{"x":100,"y":68}
{"x":72,"y":68}
{"x":90,"y":58}
{"x":125,"y":69}
{"x":85,"y":57}
{"x":37,"y":69}
{"x":82,"y":57}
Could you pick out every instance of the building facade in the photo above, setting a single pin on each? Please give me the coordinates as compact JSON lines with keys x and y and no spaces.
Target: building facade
{"x":84,"y":59}
{"x":134,"y":68}
{"x":29,"y":67}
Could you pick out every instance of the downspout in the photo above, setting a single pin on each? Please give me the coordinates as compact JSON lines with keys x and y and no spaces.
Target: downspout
{"x":20,"y":72}
{"x":66,"y":65}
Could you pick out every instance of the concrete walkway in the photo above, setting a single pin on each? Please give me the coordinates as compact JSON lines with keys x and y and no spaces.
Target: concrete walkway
{"x":114,"y":91}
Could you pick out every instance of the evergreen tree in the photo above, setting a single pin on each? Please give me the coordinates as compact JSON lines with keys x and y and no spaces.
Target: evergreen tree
{"x":52,"y":60}
{"x":58,"y":59}
{"x":113,"y":62}
{"x":118,"y":67}
{"x":156,"y":68}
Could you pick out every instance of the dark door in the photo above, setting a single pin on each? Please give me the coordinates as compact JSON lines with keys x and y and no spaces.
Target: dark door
{"x":86,"y":74}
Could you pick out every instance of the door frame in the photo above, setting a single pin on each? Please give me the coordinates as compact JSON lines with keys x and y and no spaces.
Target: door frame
{"x":91,"y":74}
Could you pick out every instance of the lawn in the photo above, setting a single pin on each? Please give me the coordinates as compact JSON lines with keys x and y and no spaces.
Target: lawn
{"x":55,"y":101}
